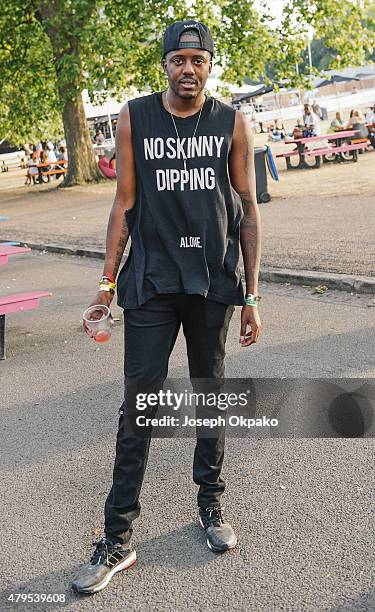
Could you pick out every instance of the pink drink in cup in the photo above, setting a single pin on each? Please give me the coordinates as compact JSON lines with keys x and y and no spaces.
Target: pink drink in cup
{"x":99,"y":322}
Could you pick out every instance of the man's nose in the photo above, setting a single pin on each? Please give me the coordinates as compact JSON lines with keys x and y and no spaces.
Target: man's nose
{"x":188,"y":67}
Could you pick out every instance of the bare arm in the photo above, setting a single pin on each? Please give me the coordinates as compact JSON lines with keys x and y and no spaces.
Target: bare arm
{"x":117,"y":231}
{"x":242,"y":175}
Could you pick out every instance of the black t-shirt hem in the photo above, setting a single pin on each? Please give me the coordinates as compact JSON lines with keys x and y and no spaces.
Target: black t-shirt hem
{"x":234,"y":300}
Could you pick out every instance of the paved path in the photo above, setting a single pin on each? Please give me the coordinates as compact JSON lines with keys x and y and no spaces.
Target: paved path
{"x":317,"y":220}
{"x":304,"y":509}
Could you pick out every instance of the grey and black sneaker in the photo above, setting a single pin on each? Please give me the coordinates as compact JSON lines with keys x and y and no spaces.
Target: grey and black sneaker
{"x":107,"y":560}
{"x":220,"y":535}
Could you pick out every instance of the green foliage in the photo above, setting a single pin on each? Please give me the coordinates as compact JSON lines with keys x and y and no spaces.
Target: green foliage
{"x":322,"y":56}
{"x":339,"y":25}
{"x":50,"y":50}
{"x":29,"y":104}
{"x":368,"y":23}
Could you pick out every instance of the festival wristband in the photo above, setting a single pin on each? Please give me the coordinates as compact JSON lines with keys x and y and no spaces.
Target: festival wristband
{"x":107,"y":281}
{"x":251,"y":300}
{"x":103,"y":286}
{"x":109,"y":277}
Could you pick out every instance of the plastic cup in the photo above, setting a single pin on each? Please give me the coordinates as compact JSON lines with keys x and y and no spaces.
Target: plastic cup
{"x":98,"y":322}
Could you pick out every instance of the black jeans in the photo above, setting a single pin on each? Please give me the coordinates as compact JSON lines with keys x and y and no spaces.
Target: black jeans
{"x":150,"y":334}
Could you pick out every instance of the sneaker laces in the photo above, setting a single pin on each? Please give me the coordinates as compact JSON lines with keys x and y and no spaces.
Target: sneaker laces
{"x":212,"y":516}
{"x":102,"y":551}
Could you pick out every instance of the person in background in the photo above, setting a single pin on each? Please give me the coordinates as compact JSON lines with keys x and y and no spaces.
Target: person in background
{"x":62,"y":155}
{"x":43,"y":157}
{"x":253,"y":121}
{"x":27,"y":147}
{"x":279,"y":129}
{"x":112,"y":162}
{"x":311,"y":122}
{"x":357,"y":122}
{"x":107,"y":164}
{"x":270,"y":130}
{"x":316,"y":109}
{"x":276,"y":131}
{"x":370,"y":116}
{"x":337,"y":124}
{"x":51,"y":155}
{"x":99,"y":137}
{"x":370,"y":120}
{"x":32,"y":170}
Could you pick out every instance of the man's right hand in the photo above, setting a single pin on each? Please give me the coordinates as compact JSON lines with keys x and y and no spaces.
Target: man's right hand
{"x":103,"y":298}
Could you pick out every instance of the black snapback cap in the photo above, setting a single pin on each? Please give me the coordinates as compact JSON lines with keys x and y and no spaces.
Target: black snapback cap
{"x":172,"y":35}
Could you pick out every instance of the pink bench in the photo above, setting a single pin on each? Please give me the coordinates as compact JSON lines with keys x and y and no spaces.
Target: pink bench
{"x":7,"y":250}
{"x":324,"y":152}
{"x":17,"y":303}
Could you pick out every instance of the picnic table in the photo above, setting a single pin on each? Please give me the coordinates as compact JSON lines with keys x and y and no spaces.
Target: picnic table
{"x":338,"y":152}
{"x":18,"y":302}
{"x":46,"y":170}
{"x":7,"y":251}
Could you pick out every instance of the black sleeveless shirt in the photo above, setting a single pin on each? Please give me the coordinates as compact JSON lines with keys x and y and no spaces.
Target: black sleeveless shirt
{"x":184,"y":225}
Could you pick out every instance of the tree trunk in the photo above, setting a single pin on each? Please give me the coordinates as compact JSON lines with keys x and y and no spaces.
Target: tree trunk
{"x":82,"y":167}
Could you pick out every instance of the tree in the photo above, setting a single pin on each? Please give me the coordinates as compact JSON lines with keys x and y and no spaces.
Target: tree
{"x":29,"y":105}
{"x":337,"y":25}
{"x":50,"y":50}
{"x":322,"y":56}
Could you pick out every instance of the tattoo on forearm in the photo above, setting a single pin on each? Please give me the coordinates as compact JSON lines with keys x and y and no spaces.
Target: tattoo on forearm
{"x":245,"y":158}
{"x":250,"y":239}
{"x":121,"y":245}
{"x":247,"y":207}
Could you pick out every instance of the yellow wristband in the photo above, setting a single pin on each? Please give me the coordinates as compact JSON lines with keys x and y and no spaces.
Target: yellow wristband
{"x":106,"y":287}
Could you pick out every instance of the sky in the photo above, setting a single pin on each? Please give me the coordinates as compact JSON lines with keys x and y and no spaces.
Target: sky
{"x":277,"y":7}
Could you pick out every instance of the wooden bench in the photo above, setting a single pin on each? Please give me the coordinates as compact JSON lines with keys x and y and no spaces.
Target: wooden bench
{"x":366,"y":141}
{"x":17,"y":303}
{"x":324,"y":152}
{"x":55,"y":171}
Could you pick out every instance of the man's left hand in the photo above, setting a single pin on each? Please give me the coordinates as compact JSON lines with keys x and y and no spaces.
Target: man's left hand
{"x":249,"y":317}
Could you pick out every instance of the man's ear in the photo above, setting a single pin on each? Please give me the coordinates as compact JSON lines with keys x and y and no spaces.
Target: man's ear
{"x":164,"y":65}
{"x":210,"y":67}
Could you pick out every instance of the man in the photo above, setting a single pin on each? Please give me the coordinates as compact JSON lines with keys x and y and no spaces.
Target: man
{"x":337,"y":124}
{"x":181,"y":156}
{"x":311,"y":122}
